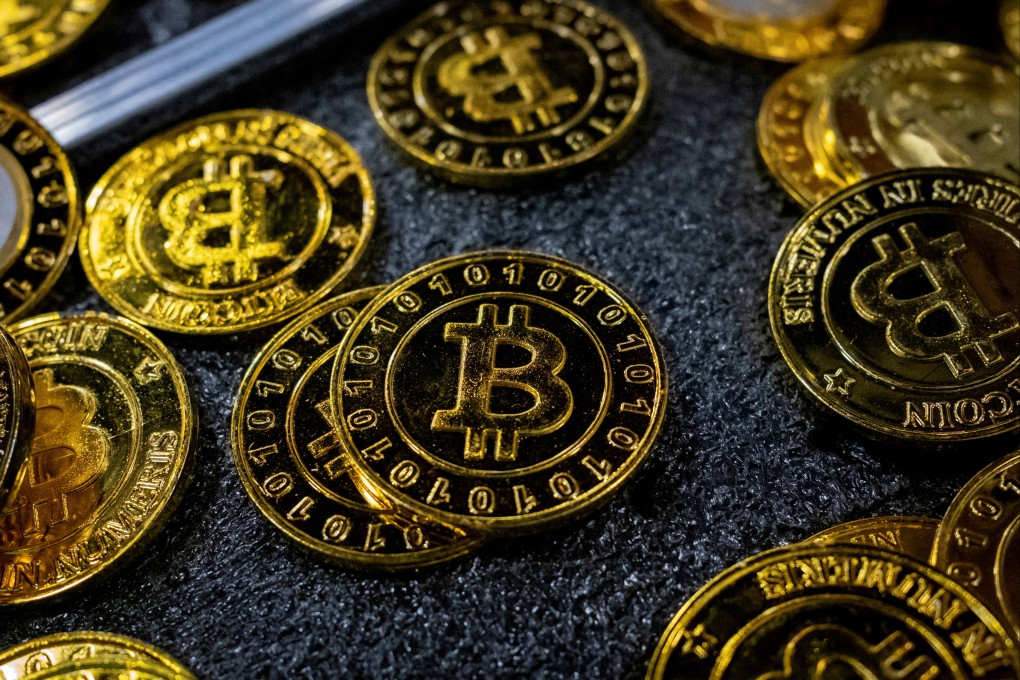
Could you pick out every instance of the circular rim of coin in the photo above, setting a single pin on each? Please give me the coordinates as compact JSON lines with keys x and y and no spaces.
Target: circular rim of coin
{"x":603,"y":454}
{"x":78,"y":639}
{"x":1009,"y":22}
{"x":833,"y":384}
{"x":854,"y":140}
{"x":845,"y":27}
{"x":953,"y":524}
{"x":276,"y":352}
{"x":47,"y":215}
{"x":877,"y":528}
{"x":17,"y":413}
{"x":556,"y":152}
{"x":170,"y":452}
{"x":784,"y":129}
{"x":334,"y":247}
{"x":37,"y":56}
{"x":108,"y":668}
{"x":728,"y":586}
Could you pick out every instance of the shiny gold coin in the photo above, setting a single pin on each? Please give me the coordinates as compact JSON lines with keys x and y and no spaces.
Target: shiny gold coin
{"x":787,"y":131}
{"x":493,"y":92}
{"x":498,"y":391}
{"x":113,"y":436}
{"x":782,"y":30}
{"x":46,"y":653}
{"x":33,"y":31}
{"x":228,"y":223}
{"x":897,"y":305}
{"x":814,"y":611}
{"x":978,"y":542}
{"x":17,"y":413}
{"x":927,"y":104}
{"x":293,"y":465}
{"x":910,"y":536}
{"x":1009,"y":20}
{"x":108,"y":668}
{"x":39,"y":212}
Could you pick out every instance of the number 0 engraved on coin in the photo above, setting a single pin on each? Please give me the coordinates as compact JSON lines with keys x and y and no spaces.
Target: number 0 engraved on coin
{"x":498,"y":391}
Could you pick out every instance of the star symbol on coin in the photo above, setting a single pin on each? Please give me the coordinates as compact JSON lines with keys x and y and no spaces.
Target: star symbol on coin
{"x":838,"y":382}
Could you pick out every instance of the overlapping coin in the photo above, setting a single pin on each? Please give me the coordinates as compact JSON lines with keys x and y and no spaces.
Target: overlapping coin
{"x":17,"y":413}
{"x":34,"y":31}
{"x":51,"y":654}
{"x":910,"y":536}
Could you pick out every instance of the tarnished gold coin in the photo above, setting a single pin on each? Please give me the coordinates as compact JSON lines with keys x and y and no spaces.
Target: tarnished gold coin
{"x":17,"y":413}
{"x":39,"y":212}
{"x":293,"y":465}
{"x":497,"y":91}
{"x":1009,"y":20}
{"x":841,"y":611}
{"x":910,"y":536}
{"x":927,"y":104}
{"x":33,"y":31}
{"x":789,"y":132}
{"x":783,"y":30}
{"x":978,"y":542}
{"x":498,"y":391}
{"x":114,"y":430}
{"x":108,"y":668}
{"x":228,"y":223}
{"x":896,"y":303}
{"x":54,"y":651}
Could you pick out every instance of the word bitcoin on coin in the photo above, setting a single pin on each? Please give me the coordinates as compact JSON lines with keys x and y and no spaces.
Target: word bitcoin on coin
{"x":501,"y":391}
{"x":493,"y":92}
{"x":33,"y":31}
{"x":17,"y":414}
{"x":228,"y":223}
{"x":910,"y":536}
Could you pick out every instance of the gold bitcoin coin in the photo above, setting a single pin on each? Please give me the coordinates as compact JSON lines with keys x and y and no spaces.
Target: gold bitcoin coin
{"x":493,"y":92}
{"x":839,"y":611}
{"x":788,"y":131}
{"x":46,"y":653}
{"x":498,"y":391}
{"x":910,"y":536}
{"x":108,"y":668}
{"x":897,"y":305}
{"x":17,"y":413}
{"x":293,"y":464}
{"x":114,"y":429}
{"x":33,"y":31}
{"x":927,"y":104}
{"x":783,"y":30}
{"x":39,"y":212}
{"x":228,"y":223}
{"x":978,"y":542}
{"x":1009,"y":20}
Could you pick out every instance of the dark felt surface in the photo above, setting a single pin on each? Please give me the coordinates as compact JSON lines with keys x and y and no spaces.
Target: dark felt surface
{"x":688,"y":222}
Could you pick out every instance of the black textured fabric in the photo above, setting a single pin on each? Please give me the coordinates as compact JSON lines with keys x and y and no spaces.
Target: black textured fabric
{"x":688,"y":222}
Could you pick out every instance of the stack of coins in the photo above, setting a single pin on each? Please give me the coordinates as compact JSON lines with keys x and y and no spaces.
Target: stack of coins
{"x":85,"y":654}
{"x":885,"y":597}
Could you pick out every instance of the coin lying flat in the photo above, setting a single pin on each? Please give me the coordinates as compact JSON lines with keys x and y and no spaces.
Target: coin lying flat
{"x":227,"y":223}
{"x":896,"y":304}
{"x":108,"y":668}
{"x":293,"y":465}
{"x":978,"y":542}
{"x":498,"y":391}
{"x":1009,"y":21}
{"x":782,"y":31}
{"x":493,"y":92}
{"x":787,"y":131}
{"x":840,"y":611}
{"x":910,"y":536}
{"x":33,"y":31}
{"x":17,"y":413}
{"x":46,"y":653}
{"x":927,"y":104}
{"x":39,"y":212}
{"x":113,"y":433}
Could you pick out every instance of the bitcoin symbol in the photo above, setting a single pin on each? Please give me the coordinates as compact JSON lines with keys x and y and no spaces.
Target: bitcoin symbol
{"x":975,"y":327}
{"x":539,"y":378}
{"x":217,"y":224}
{"x":518,"y":92}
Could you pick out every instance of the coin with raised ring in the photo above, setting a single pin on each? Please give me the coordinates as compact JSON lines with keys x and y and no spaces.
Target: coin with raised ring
{"x":42,"y":654}
{"x":827,"y":610}
{"x":108,"y":668}
{"x":114,"y":430}
{"x":227,"y":223}
{"x":34,"y":31}
{"x":494,"y":92}
{"x":978,"y":542}
{"x":910,"y":536}
{"x":498,"y":391}
{"x":897,"y":305}
{"x":293,"y":465}
{"x":17,"y":413}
